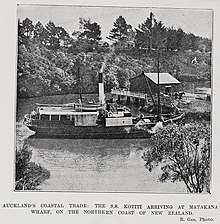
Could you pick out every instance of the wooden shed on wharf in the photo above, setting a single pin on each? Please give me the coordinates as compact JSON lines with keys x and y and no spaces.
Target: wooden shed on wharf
{"x":144,"y":88}
{"x":148,"y":83}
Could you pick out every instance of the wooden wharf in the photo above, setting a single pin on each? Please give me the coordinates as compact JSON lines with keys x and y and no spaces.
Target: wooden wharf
{"x":143,"y":98}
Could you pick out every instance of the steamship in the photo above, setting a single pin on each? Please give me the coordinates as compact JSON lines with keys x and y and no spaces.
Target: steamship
{"x":76,"y":120}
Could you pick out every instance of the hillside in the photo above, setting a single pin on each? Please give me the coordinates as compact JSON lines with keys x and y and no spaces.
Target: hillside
{"x":52,"y":62}
{"x":46,"y":72}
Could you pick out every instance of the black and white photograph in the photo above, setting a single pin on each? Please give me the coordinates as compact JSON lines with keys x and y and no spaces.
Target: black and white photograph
{"x":109,"y":111}
{"x":113,"y":99}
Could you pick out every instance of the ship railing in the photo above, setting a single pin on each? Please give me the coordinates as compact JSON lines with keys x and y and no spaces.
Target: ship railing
{"x":56,"y":105}
{"x":29,"y":117}
{"x":178,"y":118}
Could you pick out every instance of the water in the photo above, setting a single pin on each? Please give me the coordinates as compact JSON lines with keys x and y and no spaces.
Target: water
{"x":95,"y":165}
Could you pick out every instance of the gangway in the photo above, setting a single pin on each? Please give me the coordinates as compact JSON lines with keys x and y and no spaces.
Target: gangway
{"x":128,"y":93}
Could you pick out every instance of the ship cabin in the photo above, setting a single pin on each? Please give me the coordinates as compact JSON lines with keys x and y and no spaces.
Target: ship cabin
{"x":67,"y":115}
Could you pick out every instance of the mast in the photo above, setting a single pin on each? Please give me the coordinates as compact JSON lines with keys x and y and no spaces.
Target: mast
{"x":158,"y":84}
{"x":80,"y":84}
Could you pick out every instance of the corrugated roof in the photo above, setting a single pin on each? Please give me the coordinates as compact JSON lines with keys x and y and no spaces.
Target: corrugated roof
{"x":165,"y":78}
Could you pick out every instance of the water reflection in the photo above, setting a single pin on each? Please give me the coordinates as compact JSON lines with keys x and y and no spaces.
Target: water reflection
{"x":95,"y":165}
{"x":99,"y":155}
{"x":100,"y":165}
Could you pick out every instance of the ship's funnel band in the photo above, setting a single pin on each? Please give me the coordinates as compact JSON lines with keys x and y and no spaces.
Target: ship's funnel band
{"x":100,"y":77}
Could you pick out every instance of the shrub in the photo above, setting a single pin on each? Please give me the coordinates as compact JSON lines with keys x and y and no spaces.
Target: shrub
{"x":184,"y":153}
{"x":28,"y":174}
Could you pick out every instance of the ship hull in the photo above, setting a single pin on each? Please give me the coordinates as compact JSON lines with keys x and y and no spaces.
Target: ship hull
{"x":94,"y":132}
{"x":67,"y":129}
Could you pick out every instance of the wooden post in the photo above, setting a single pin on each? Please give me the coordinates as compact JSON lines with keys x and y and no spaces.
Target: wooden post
{"x":137,"y":101}
{"x":128,"y":100}
{"x":119,"y":99}
{"x":142,"y":102}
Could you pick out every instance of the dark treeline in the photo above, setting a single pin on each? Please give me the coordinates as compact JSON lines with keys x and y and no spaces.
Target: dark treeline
{"x":52,"y":61}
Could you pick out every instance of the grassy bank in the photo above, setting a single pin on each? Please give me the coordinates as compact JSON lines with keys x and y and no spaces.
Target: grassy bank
{"x":198,"y":117}
{"x":197,"y":110}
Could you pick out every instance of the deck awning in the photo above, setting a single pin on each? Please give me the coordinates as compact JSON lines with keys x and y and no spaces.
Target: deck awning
{"x":66,"y":112}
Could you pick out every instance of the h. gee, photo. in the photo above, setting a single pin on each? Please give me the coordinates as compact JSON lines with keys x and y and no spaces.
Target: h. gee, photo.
{"x":113,"y":99}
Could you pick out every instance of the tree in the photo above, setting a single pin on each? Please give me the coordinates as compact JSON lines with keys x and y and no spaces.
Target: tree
{"x":25,"y":31}
{"x":174,"y":39}
{"x":204,"y":44}
{"x":180,"y":37}
{"x":56,"y":36}
{"x":40,"y":33}
{"x":21,"y":35}
{"x":159,"y":35}
{"x":86,"y":38}
{"x":150,"y":34}
{"x":189,"y":42}
{"x":123,"y":78}
{"x":144,"y":33}
{"x":38,"y":29}
{"x":121,"y":31}
{"x":111,"y":81}
{"x":52,"y":38}
{"x":90,"y":31}
{"x":63,"y":36}
{"x":184,"y":154}
{"x":28,"y":27}
{"x":171,"y":39}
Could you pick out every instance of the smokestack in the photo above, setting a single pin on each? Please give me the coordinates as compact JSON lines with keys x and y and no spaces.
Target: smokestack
{"x":101,"y":86}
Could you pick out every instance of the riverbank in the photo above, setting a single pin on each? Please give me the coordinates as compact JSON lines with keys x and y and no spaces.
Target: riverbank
{"x":90,"y":164}
{"x":28,"y":174}
{"x":196,"y":109}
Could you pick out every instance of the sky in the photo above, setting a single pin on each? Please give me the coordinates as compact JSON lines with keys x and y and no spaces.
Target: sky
{"x":196,"y":21}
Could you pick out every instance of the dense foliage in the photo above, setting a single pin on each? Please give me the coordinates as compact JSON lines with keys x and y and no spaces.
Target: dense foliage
{"x":184,"y":154}
{"x":149,"y":31}
{"x":50,"y":61}
{"x":28,"y":174}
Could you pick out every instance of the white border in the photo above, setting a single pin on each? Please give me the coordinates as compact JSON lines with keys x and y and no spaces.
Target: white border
{"x":7,"y":113}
